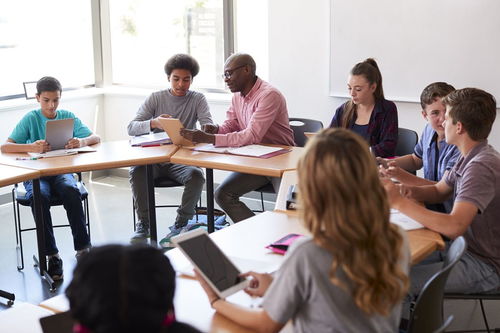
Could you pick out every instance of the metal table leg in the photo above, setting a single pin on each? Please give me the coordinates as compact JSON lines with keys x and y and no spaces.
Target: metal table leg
{"x":210,"y":200}
{"x":151,"y":205}
{"x":41,"y":262}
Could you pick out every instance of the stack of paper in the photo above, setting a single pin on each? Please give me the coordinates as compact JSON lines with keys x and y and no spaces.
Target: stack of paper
{"x":405,"y":222}
{"x":250,"y":150}
{"x":62,"y":152}
{"x":153,"y":139}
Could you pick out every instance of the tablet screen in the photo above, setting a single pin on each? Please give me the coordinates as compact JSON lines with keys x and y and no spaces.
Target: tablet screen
{"x":211,"y":261}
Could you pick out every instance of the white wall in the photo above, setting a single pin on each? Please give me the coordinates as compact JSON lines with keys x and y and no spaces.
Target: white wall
{"x":299,"y":64}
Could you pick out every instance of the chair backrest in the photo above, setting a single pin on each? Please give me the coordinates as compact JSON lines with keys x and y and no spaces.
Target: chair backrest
{"x":301,"y":125}
{"x":427,"y":315}
{"x":407,"y":139}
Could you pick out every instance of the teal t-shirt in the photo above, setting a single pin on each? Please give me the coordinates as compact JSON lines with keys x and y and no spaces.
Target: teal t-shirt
{"x":32,"y":126}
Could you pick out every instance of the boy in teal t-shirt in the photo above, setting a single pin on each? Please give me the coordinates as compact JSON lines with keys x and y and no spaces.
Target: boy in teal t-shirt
{"x":29,"y":136}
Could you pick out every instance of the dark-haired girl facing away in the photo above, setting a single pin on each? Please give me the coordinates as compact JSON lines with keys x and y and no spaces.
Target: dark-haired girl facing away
{"x":123,"y":289}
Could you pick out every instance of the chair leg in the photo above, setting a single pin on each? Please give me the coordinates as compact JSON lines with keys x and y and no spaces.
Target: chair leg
{"x":19,"y":238}
{"x":484,"y":316}
{"x":87,"y":214}
{"x":262,"y":200}
{"x":133,"y":212}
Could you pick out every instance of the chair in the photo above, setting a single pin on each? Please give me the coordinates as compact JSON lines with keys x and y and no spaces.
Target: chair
{"x":19,"y":199}
{"x":480,"y":298}
{"x":299,"y":126}
{"x":407,"y":139}
{"x":427,"y":313}
{"x":161,"y":182}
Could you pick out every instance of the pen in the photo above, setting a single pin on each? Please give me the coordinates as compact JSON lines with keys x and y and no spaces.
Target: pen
{"x":152,"y":145}
{"x":26,"y":158}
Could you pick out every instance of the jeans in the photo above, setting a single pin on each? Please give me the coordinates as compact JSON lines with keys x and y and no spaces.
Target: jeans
{"x":191,"y":177}
{"x":64,"y":187}
{"x":234,"y":186}
{"x":470,"y":275}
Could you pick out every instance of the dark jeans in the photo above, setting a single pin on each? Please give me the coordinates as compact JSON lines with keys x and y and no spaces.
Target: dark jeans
{"x":65,"y":188}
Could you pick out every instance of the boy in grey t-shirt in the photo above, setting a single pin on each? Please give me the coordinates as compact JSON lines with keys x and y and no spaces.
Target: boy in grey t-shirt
{"x":189,"y":107}
{"x":474,"y":182}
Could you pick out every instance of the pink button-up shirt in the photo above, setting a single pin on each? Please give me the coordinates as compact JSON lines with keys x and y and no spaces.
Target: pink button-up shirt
{"x":259,"y":117}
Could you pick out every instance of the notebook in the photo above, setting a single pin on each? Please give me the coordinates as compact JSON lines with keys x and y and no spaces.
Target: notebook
{"x":59,"y":132}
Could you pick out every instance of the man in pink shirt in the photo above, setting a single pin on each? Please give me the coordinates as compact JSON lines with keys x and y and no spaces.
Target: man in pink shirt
{"x":257,"y":114}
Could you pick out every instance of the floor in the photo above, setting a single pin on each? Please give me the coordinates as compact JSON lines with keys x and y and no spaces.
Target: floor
{"x":110,"y":202}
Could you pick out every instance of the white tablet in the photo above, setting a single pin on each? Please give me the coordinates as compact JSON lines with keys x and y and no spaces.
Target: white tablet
{"x":215,"y":267}
{"x":59,"y":132}
{"x":173,"y":128}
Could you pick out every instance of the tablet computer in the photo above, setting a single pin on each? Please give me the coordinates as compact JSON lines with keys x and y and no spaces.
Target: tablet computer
{"x":173,"y":128}
{"x":215,"y":267}
{"x":59,"y":132}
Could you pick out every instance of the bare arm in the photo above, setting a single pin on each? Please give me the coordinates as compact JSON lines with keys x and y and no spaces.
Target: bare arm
{"x":435,"y":193}
{"x":408,"y":162}
{"x":82,"y":142}
{"x":257,"y":320}
{"x":11,"y":146}
{"x":451,"y":225}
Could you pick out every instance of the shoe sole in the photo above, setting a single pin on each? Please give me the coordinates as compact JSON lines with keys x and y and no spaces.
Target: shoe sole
{"x":57,"y":277}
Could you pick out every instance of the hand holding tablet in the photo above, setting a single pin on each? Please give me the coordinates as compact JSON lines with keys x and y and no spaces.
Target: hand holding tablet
{"x":223,"y":277}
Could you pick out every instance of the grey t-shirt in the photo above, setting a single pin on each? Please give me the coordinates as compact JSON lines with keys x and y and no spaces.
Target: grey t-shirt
{"x":476,"y":179}
{"x":188,"y":109}
{"x":302,"y":291}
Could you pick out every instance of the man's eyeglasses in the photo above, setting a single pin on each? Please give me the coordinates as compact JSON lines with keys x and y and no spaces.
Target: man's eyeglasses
{"x":227,"y":74}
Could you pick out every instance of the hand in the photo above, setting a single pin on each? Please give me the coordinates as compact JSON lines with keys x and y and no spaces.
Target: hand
{"x":210,"y":128}
{"x":390,"y":169}
{"x":392,"y":190}
{"x":259,"y":283}
{"x":74,"y":143}
{"x":382,"y":162}
{"x":40,"y":146}
{"x":212,"y":296}
{"x":155,"y":123}
{"x":197,"y":136}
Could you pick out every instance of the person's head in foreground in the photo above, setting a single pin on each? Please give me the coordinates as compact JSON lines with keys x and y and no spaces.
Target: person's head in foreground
{"x":117,"y":288}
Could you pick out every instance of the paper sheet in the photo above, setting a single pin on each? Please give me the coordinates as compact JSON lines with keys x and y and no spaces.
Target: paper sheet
{"x":160,"y":138}
{"x":250,"y":150}
{"x":62,"y":152}
{"x":404,"y":221}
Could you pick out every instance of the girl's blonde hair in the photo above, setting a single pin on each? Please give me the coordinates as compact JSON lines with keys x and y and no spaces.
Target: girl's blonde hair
{"x":346,"y":209}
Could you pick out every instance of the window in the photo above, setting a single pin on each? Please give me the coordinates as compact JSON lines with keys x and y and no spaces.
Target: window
{"x":40,"y":38}
{"x":144,"y":34}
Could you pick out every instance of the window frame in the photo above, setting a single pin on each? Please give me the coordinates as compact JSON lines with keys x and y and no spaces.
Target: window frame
{"x":101,"y":40}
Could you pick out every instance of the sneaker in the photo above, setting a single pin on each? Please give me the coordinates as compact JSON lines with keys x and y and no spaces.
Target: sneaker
{"x":141,"y":233}
{"x":55,"y":268}
{"x":174,"y":231}
{"x":80,"y":253}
